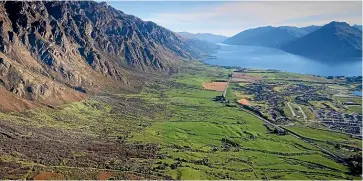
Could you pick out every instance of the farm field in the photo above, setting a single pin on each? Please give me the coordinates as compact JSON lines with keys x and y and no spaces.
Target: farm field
{"x":173,"y":129}
{"x":217,"y":86}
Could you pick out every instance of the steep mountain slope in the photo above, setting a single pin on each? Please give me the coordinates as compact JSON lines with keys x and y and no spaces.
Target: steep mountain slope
{"x":269,"y":36}
{"x":11,"y":102}
{"x":199,"y":45}
{"x":202,"y":46}
{"x":336,"y":39}
{"x":54,"y":52}
{"x":204,"y":36}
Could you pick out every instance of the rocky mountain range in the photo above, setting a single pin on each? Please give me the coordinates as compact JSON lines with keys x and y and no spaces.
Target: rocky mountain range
{"x":56,"y":52}
{"x":334,"y":40}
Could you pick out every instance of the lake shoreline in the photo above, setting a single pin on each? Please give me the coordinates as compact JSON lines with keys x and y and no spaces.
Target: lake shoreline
{"x":270,"y":58}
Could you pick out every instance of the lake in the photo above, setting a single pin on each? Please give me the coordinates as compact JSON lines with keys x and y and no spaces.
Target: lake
{"x":357,"y":93}
{"x":271,"y":58}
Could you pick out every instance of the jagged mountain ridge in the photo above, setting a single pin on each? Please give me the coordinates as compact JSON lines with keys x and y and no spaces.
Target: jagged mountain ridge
{"x":54,"y":51}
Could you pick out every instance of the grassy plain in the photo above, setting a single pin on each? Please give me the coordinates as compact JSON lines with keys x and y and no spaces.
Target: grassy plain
{"x":172,"y":129}
{"x":203,"y":139}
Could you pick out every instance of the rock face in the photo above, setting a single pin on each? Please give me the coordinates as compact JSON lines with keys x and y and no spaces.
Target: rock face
{"x":54,"y":52}
{"x":269,"y":36}
{"x":202,"y":46}
{"x":334,"y":40}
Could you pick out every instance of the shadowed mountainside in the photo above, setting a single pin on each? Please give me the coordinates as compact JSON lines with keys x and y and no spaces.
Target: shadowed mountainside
{"x":336,"y":39}
{"x":358,"y":26}
{"x":269,"y":36}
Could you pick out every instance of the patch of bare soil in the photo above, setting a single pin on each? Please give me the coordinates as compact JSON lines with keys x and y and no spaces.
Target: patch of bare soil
{"x":103,"y":175}
{"x":242,"y":77}
{"x":217,"y":86}
{"x":244,"y":102}
{"x":48,"y":176}
{"x":11,"y":102}
{"x":64,"y":96}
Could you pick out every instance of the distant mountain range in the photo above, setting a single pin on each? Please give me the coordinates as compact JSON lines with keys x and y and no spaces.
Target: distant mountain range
{"x":269,"y":36}
{"x":336,"y":39}
{"x":204,"y":36}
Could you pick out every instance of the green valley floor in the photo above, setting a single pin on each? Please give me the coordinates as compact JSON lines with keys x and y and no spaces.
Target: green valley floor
{"x":173,"y":129}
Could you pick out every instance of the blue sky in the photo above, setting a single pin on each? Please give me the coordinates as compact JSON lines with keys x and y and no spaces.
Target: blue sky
{"x":229,"y":18}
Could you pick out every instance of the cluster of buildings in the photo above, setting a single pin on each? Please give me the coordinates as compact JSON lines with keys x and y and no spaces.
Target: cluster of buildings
{"x":336,"y":121}
{"x":305,"y":98}
{"x":265,"y":93}
{"x":305,"y":93}
{"x":299,"y":89}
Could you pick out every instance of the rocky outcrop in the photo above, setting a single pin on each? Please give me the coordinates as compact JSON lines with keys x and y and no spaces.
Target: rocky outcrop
{"x":71,"y":48}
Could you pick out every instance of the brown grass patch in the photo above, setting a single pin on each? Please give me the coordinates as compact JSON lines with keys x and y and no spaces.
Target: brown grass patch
{"x":11,"y":102}
{"x":105,"y":175}
{"x":65,"y":96}
{"x":217,"y":86}
{"x":244,"y":102}
{"x":48,"y":176}
{"x":242,"y":77}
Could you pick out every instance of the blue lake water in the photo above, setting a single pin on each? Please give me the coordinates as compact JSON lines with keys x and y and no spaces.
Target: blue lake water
{"x":271,"y":58}
{"x":357,"y":93}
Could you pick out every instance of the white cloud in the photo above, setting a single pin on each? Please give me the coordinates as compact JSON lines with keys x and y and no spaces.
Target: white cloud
{"x":233,"y":17}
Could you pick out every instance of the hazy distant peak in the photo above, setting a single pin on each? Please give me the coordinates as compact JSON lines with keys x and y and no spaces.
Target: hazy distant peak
{"x":213,"y":38}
